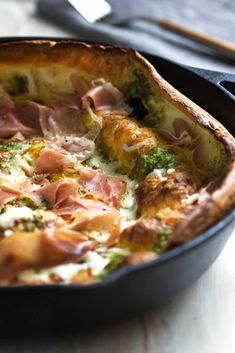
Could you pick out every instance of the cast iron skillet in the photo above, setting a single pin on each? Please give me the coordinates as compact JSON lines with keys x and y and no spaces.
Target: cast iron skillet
{"x":133,"y":290}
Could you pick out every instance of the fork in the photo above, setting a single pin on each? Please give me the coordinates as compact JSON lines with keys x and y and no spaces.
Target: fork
{"x":102,"y":12}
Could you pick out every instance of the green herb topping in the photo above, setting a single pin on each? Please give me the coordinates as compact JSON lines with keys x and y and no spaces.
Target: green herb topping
{"x":163,"y":237}
{"x":157,"y":158}
{"x":116,"y":259}
{"x":31,"y":225}
{"x":12,"y":146}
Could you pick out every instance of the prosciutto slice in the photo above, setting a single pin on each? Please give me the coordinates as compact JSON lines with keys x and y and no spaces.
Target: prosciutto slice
{"x":61,"y":193}
{"x":32,"y":115}
{"x":35,"y":250}
{"x":109,"y":188}
{"x":52,"y":161}
{"x":181,"y":135}
{"x":10,"y":125}
{"x":65,"y":118}
{"x":63,"y":199}
{"x":104,"y":96}
{"x":62,"y":196}
{"x":9,"y":191}
{"x":21,"y":118}
{"x":7,"y":195}
{"x":103,"y":220}
{"x":77,"y":203}
{"x":63,"y":153}
{"x":6,"y":105}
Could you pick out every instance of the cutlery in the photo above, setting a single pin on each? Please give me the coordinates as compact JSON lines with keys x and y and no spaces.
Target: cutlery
{"x":102,"y":12}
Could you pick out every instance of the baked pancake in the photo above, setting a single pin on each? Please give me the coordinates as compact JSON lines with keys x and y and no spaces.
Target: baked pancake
{"x":103,"y":164}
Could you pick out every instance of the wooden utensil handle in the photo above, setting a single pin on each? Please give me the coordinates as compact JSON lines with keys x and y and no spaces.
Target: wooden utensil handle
{"x":216,"y":43}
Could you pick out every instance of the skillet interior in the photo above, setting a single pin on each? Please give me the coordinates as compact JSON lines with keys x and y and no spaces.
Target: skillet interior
{"x":154,"y":282}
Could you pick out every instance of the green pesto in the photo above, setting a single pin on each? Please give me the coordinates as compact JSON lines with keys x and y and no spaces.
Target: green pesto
{"x":12,"y":146}
{"x":116,"y":260}
{"x":23,"y":201}
{"x":163,"y":237}
{"x":27,"y":202}
{"x":81,"y":191}
{"x":157,"y":158}
{"x":31,"y":225}
{"x":8,"y":161}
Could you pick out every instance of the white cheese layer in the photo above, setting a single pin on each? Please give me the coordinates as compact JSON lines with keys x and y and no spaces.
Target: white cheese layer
{"x":65,"y":272}
{"x":12,"y":214}
{"x":190,"y":199}
{"x":94,"y":261}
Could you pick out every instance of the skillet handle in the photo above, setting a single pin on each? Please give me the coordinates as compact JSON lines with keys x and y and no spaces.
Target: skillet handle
{"x":223,"y":80}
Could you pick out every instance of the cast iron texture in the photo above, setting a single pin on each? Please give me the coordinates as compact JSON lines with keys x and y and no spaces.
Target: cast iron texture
{"x":128,"y":292}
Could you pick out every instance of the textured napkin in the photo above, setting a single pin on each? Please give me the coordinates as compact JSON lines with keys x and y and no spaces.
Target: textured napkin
{"x":218,"y":20}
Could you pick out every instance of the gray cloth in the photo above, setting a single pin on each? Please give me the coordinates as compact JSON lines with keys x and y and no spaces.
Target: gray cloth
{"x":215,"y":17}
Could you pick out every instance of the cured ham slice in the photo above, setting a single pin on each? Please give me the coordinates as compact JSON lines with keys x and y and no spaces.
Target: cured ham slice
{"x":32,"y":115}
{"x":104,"y":96}
{"x":110,"y":189}
{"x":100,"y":221}
{"x":6,"y":105}
{"x":63,"y":153}
{"x":25,"y":250}
{"x":65,"y":118}
{"x":21,"y":118}
{"x":9,"y":191}
{"x":61,"y":193}
{"x":63,"y":199}
{"x":52,"y":161}
{"x":62,"y":196}
{"x":76,"y":203}
{"x":10,"y":125}
{"x":80,"y":148}
{"x":7,"y":195}
{"x":181,"y":135}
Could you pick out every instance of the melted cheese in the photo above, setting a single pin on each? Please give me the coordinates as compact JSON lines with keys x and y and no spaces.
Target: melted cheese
{"x":12,"y":214}
{"x":94,"y":261}
{"x":190,"y":199}
{"x":64,"y":272}
{"x":129,"y":206}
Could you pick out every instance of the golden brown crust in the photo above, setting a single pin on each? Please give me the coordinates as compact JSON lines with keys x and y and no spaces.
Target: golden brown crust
{"x":154,"y":194}
{"x":139,"y":257}
{"x":142,"y":236}
{"x":124,"y":139}
{"x":122,"y":68}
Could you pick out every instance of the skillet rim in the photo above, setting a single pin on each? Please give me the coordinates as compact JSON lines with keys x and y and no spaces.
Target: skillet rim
{"x":120,"y":274}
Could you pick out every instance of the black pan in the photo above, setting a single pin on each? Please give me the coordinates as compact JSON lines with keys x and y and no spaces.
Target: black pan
{"x":133,"y":290}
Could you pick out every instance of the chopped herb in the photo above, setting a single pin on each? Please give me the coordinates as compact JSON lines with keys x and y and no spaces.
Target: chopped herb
{"x":163,"y":236}
{"x":25,"y":201}
{"x":115,"y":261}
{"x":12,"y":146}
{"x":81,"y":191}
{"x":8,"y":161}
{"x":30,"y":225}
{"x":157,"y":158}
